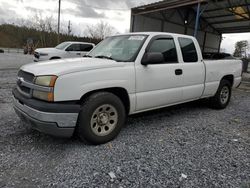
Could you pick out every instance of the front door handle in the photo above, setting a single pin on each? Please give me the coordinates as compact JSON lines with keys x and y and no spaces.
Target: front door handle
{"x":178,"y":71}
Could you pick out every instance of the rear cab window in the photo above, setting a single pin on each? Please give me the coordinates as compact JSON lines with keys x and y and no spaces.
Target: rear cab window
{"x":188,"y":50}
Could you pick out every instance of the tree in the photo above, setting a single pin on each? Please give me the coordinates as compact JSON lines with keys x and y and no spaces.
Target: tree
{"x":13,"y":36}
{"x":241,"y":48}
{"x":100,"y":30}
{"x":47,"y":24}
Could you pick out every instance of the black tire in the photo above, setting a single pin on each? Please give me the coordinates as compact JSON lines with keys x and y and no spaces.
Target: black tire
{"x":218,"y":101}
{"x":86,"y":130}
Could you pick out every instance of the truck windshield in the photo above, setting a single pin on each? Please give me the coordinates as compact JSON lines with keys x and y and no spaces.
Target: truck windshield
{"x":119,"y":48}
{"x":62,"y":45}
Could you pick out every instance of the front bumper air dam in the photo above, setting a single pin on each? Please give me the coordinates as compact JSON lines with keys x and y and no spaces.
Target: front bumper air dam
{"x":52,"y":123}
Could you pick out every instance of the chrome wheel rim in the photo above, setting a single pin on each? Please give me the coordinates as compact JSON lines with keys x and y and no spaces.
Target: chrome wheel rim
{"x":224,"y":95}
{"x":104,"y":120}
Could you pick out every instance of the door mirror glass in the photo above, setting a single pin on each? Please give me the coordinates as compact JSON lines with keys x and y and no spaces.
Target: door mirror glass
{"x":152,"y":58}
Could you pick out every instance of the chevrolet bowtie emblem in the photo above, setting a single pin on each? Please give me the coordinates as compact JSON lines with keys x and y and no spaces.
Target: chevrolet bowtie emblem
{"x":19,"y":80}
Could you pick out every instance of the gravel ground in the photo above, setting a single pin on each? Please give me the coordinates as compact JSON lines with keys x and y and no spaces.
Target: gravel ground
{"x":14,"y":60}
{"x":188,"y":145}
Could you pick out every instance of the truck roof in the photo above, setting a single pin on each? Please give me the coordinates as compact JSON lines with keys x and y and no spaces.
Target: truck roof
{"x":156,"y":33}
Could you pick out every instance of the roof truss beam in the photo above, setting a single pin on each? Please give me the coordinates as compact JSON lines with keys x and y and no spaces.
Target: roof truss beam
{"x":220,"y":16}
{"x":229,"y":21}
{"x":228,"y":7}
{"x":232,"y":10}
{"x":234,"y":29}
{"x":248,"y":9}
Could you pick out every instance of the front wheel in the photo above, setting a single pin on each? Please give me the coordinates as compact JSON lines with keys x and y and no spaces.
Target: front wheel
{"x":101,"y":118}
{"x":222,"y":96}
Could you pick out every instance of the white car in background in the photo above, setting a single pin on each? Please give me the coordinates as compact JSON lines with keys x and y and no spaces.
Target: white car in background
{"x":63,"y":50}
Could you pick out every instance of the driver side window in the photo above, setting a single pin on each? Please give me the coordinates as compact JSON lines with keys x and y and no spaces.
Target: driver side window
{"x":166,"y":46}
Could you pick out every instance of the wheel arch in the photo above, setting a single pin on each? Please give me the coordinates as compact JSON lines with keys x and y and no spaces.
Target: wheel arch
{"x":120,"y":92}
{"x":229,"y":78}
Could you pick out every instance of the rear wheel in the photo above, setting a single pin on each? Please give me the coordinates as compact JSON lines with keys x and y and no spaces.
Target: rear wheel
{"x":101,"y":118}
{"x":222,"y":96}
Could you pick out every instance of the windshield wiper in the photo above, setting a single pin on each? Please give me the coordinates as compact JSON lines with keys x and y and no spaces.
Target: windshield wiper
{"x":104,"y":57}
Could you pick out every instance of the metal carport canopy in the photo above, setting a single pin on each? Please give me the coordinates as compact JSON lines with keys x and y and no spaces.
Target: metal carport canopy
{"x":224,"y":16}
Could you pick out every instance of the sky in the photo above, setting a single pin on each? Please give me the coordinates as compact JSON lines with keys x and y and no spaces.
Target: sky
{"x":86,"y":12}
{"x":79,"y":12}
{"x":229,"y":40}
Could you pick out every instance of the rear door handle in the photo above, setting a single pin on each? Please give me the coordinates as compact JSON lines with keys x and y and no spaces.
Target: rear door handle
{"x":178,"y":71}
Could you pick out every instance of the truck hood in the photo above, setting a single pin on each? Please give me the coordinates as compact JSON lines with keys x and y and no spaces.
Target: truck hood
{"x":66,"y":66}
{"x":48,"y":50}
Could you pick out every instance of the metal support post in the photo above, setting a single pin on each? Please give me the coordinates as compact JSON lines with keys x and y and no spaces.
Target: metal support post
{"x":58,"y":25}
{"x":197,"y":19}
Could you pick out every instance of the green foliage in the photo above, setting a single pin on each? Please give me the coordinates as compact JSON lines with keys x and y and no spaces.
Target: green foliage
{"x":241,"y":48}
{"x":12,"y":36}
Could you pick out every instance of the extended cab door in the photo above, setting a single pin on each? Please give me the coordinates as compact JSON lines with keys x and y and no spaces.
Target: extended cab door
{"x":193,"y":68}
{"x":159,"y":84}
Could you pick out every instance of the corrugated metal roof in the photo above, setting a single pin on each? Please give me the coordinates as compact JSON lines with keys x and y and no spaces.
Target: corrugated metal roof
{"x":228,"y":16}
{"x":164,"y":5}
{"x":223,"y":15}
{"x":150,"y":4}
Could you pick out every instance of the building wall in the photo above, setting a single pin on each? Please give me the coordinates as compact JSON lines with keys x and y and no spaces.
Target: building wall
{"x":174,"y":21}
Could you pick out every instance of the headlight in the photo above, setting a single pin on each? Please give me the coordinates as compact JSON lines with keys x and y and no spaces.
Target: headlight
{"x":48,"y":83}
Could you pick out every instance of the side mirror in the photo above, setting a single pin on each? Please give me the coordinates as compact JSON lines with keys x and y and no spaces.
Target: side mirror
{"x":152,"y":58}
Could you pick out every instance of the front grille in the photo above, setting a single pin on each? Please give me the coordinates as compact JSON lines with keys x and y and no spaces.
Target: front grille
{"x":24,"y":89}
{"x":36,"y":54}
{"x":26,"y":76}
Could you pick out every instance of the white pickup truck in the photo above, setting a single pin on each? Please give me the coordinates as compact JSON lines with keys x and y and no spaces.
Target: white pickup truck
{"x":64,"y":50}
{"x":123,"y":75}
